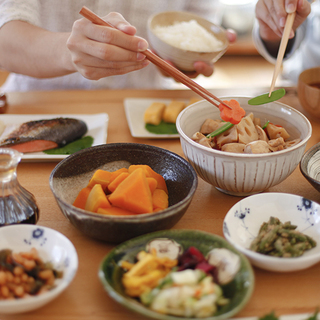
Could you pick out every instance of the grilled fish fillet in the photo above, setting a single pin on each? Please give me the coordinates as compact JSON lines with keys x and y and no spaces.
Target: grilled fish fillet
{"x":39,"y":135}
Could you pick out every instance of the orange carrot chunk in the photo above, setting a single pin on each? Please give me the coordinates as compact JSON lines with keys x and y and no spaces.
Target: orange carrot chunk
{"x":233,"y":115}
{"x":81,"y":198}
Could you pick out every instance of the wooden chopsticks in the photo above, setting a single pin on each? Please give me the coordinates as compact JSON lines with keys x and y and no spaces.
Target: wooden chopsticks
{"x":175,"y":73}
{"x":282,"y":48}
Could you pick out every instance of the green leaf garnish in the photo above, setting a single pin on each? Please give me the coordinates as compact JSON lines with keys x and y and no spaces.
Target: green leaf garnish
{"x":266,"y":124}
{"x":72,"y":147}
{"x":162,"y":128}
{"x":264,"y":98}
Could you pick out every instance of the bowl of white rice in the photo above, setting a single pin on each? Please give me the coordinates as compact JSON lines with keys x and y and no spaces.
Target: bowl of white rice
{"x":185,"y":38}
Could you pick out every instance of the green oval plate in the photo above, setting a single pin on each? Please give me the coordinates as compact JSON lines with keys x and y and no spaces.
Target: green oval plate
{"x":238,"y":291}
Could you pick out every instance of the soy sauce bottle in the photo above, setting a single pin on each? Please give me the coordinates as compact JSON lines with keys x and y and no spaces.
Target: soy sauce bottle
{"x":17,"y":205}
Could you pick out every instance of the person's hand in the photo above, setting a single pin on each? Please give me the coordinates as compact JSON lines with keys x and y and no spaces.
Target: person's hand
{"x":271,"y":16}
{"x":201,"y":67}
{"x":100,"y":51}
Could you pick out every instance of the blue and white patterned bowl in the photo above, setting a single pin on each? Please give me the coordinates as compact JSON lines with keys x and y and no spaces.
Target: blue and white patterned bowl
{"x":52,"y":247}
{"x":242,"y":222}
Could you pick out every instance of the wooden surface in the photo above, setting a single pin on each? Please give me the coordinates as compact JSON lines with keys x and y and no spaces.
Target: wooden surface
{"x":85,"y":298}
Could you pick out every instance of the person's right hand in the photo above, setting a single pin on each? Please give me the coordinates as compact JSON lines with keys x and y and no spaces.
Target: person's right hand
{"x":100,"y":51}
{"x":271,"y":15}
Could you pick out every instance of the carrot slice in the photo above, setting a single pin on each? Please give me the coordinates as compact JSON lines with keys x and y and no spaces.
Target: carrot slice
{"x":233,"y":115}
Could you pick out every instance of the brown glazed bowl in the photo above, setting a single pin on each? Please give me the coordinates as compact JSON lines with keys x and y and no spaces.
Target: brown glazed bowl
{"x":73,"y":173}
{"x":309,"y":91}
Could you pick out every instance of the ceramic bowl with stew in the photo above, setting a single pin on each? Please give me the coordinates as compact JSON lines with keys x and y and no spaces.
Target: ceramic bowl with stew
{"x":239,"y":173}
{"x":243,"y":221}
{"x":310,"y":166}
{"x":52,"y":247}
{"x":183,"y":49}
{"x":238,"y":290}
{"x":309,"y":91}
{"x":73,"y":173}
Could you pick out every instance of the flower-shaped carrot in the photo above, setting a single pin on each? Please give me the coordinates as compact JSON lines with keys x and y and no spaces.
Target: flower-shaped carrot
{"x":233,"y":115}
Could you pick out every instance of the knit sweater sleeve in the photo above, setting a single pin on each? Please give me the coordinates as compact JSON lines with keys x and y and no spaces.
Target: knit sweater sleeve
{"x":23,"y":10}
{"x":299,"y":35}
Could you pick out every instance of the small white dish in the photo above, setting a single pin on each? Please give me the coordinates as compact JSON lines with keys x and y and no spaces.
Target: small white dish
{"x":52,"y":247}
{"x":135,"y":108}
{"x":243,"y":221}
{"x":97,"y":129}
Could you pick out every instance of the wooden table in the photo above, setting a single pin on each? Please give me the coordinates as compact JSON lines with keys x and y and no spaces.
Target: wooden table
{"x":85,"y":298}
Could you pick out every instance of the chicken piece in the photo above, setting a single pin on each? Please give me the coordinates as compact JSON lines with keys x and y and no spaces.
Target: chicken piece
{"x":291,"y":143}
{"x":246,"y":130}
{"x":276,"y":144}
{"x":203,"y":140}
{"x":172,"y":111}
{"x":258,"y":146}
{"x":154,"y":112}
{"x":210,"y":125}
{"x":261,"y":134}
{"x":233,"y":147}
{"x":275,"y":132}
{"x":228,"y":136}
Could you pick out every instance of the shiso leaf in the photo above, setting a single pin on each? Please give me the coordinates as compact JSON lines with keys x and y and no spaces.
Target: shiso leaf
{"x":162,"y":128}
{"x":72,"y":147}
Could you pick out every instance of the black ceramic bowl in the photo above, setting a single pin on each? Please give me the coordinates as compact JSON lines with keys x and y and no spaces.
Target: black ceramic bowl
{"x":73,"y":173}
{"x":310,"y":166}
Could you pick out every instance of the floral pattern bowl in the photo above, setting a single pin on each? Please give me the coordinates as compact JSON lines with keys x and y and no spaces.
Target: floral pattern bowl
{"x":53,"y":247}
{"x":243,"y":221}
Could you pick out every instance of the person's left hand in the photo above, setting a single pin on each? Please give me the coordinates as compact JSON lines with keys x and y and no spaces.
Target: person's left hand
{"x":201,"y":67}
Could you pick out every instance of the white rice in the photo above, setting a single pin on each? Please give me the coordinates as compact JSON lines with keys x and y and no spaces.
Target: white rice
{"x":189,"y":36}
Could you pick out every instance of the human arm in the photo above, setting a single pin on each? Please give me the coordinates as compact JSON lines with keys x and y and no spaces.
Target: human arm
{"x":92,"y":50}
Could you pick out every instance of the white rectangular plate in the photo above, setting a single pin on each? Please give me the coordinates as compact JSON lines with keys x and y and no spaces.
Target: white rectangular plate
{"x":135,"y":108}
{"x":97,"y":128}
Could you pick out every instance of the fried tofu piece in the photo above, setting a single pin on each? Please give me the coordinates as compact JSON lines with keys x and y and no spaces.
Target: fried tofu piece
{"x":154,"y":113}
{"x":172,"y":111}
{"x":194,"y":100}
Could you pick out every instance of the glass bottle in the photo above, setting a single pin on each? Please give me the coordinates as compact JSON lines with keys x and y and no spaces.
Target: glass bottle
{"x":17,"y":205}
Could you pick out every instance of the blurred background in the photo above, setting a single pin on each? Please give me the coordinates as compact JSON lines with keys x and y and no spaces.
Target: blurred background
{"x":241,"y":66}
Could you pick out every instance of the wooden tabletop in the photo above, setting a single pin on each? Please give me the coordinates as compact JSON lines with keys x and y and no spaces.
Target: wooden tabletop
{"x":85,"y":298}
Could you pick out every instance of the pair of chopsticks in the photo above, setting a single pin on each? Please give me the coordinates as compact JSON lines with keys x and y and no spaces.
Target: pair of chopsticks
{"x":282,"y":48}
{"x":175,"y":73}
